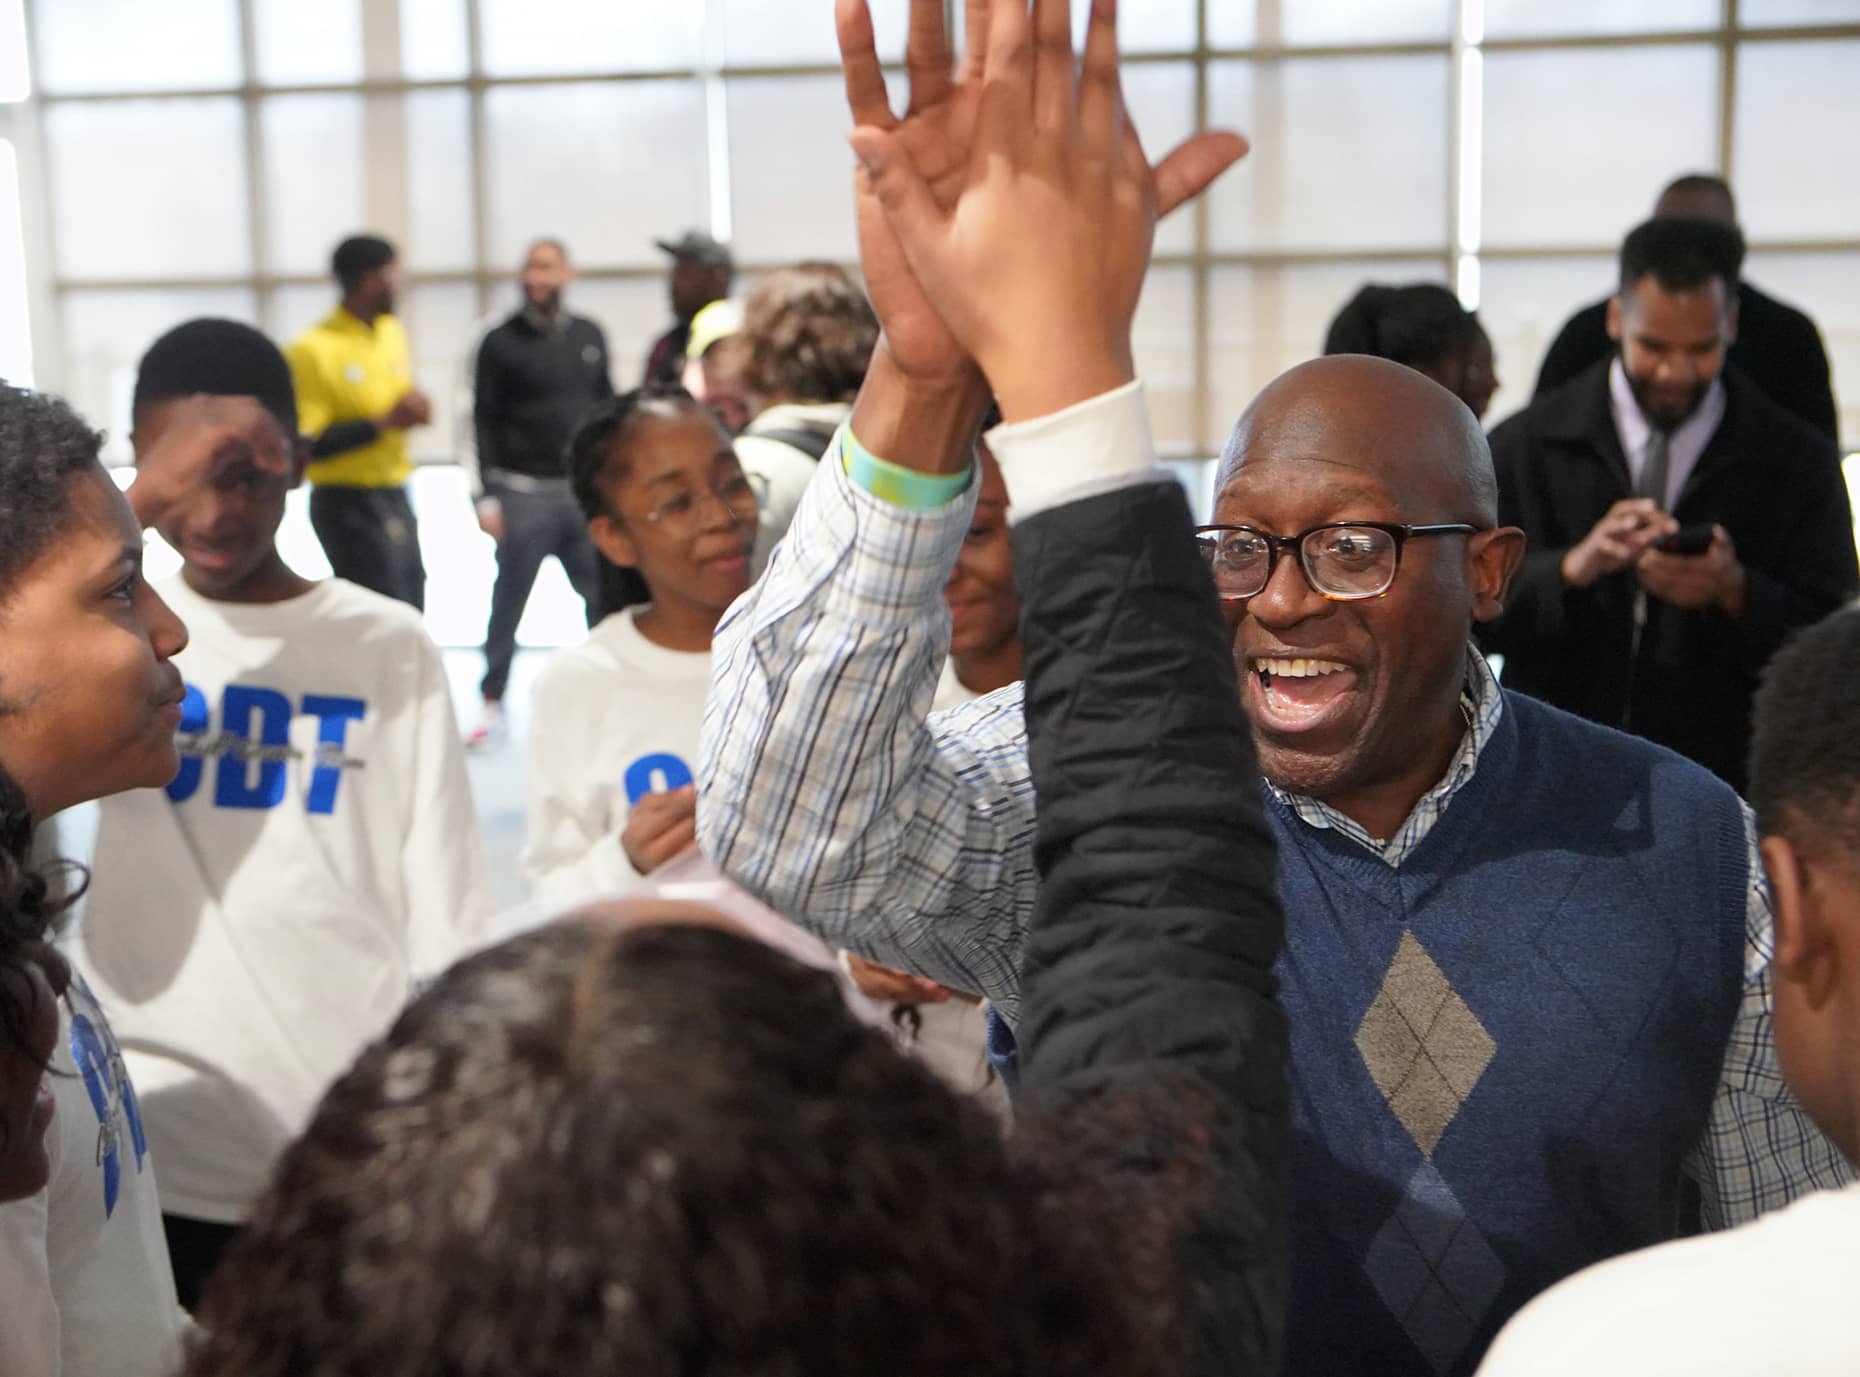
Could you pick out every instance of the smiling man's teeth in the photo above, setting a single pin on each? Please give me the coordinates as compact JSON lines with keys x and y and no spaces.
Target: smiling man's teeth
{"x":1297,"y":669}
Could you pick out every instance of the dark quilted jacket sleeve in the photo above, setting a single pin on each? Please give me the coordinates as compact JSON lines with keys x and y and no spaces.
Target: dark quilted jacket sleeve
{"x":1151,"y":1041}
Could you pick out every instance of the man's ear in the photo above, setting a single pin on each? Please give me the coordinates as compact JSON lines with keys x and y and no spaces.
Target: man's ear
{"x":1614,"y":318}
{"x":1806,"y":954}
{"x":1492,"y":557}
{"x":303,"y":450}
{"x":1733,"y":312}
{"x":612,"y":540}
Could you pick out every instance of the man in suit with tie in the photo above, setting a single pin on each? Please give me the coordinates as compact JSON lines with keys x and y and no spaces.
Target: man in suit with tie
{"x":1681,"y":525}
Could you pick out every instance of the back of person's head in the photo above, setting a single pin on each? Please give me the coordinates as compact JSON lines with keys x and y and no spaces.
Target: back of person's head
{"x":1805,"y":789}
{"x":1682,"y":253}
{"x":1805,"y":746}
{"x":217,"y":358}
{"x":1700,"y":195}
{"x":811,"y":333}
{"x":1420,"y":325}
{"x":357,"y":256}
{"x":665,"y":1150}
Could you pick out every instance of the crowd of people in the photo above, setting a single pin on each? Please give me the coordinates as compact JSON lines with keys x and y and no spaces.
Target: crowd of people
{"x":1413,"y":917}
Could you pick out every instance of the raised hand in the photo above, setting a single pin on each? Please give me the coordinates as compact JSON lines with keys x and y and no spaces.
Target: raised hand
{"x":936,"y":132}
{"x":201,"y":436}
{"x":1036,"y":265}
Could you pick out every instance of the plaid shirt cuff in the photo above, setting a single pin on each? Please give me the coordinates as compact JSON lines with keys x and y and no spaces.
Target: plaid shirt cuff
{"x":906,"y":553}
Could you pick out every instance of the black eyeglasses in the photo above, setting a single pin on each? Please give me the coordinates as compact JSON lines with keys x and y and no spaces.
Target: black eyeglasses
{"x":1345,"y":561}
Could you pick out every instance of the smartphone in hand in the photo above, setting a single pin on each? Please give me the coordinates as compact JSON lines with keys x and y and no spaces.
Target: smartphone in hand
{"x":1687,"y":540}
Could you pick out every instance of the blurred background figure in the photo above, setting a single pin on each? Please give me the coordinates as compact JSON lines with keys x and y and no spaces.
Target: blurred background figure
{"x":1776,"y":345}
{"x":811,"y":333}
{"x":702,"y":271}
{"x":1681,"y":524}
{"x":1424,"y":327}
{"x":538,"y":375}
{"x":717,"y":364}
{"x":356,"y":401}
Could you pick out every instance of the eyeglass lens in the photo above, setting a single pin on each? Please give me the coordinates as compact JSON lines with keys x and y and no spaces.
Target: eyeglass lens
{"x":1340,"y":561}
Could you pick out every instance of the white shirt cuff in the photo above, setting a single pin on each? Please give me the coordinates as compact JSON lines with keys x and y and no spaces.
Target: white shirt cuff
{"x":1092,"y":447}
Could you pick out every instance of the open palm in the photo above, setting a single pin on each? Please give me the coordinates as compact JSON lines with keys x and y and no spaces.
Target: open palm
{"x":936,"y":131}
{"x":936,"y":138}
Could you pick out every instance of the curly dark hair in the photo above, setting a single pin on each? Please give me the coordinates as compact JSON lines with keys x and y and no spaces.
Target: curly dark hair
{"x":811,"y":333}
{"x":1805,"y":741}
{"x":664,"y":1152}
{"x":43,"y":446}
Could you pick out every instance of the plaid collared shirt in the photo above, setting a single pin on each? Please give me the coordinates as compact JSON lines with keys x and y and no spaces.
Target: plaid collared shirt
{"x":910,"y":838}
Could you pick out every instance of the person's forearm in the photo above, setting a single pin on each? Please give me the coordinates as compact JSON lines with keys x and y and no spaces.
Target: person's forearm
{"x":927,"y":425}
{"x":821,"y":788}
{"x":345,"y":436}
{"x":1148,"y":972}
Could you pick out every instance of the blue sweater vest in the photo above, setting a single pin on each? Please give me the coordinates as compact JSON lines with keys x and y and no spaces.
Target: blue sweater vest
{"x":1503,"y":1049}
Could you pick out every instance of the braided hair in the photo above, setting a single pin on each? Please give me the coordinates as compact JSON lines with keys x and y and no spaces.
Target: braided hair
{"x":598,"y":460}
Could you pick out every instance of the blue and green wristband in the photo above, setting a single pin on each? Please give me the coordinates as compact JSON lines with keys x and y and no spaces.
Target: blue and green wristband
{"x":908,"y":488}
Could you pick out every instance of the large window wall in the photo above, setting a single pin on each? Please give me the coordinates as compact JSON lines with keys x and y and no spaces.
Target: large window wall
{"x":203,"y":155}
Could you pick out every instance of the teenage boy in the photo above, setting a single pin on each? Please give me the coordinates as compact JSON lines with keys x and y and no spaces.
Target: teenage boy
{"x":251,"y":926}
{"x":1776,"y":1295}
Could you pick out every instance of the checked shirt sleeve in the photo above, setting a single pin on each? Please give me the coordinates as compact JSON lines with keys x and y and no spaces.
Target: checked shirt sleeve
{"x":1760,"y":1150}
{"x":824,"y":786}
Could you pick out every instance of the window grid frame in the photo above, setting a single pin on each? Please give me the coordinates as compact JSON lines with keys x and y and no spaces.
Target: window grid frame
{"x":1730,"y":37}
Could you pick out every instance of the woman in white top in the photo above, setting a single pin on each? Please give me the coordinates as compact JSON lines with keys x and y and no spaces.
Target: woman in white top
{"x":89,"y":703}
{"x":615,"y":721}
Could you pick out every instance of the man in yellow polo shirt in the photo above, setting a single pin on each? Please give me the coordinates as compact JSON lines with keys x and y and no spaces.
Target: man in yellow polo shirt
{"x":356,"y":401}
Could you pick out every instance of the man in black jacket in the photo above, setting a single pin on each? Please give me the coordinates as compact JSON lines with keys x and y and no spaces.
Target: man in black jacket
{"x":1777,"y":346}
{"x":1680,"y":523}
{"x":536,"y":378}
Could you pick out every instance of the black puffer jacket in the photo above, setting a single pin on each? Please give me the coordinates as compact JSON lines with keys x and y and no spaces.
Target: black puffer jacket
{"x":1151,"y":1044}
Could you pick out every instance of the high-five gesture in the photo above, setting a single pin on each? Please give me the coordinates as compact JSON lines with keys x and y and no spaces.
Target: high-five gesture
{"x":1033,"y":241}
{"x":935,"y":134}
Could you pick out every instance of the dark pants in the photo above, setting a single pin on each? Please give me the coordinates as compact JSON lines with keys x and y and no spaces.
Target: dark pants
{"x":194,"y":1250}
{"x":372,"y":539}
{"x":537,"y":524}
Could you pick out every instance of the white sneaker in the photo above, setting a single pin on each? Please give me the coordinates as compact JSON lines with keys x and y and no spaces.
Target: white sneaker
{"x":490,"y":731}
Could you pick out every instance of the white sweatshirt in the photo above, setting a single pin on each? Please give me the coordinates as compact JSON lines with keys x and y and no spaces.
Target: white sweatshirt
{"x":1774,"y":1296}
{"x":613,"y":719}
{"x":254,"y":925}
{"x":783,"y":470}
{"x":85,"y":1285}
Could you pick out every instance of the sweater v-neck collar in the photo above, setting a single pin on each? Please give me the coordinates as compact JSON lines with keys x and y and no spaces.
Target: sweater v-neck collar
{"x":1484,"y":704}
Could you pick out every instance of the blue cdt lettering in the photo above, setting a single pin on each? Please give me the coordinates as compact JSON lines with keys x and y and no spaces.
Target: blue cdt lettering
{"x":333,"y":717}
{"x":94,"y":1065}
{"x":193,"y":723}
{"x":655,"y":774}
{"x":233,"y":786}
